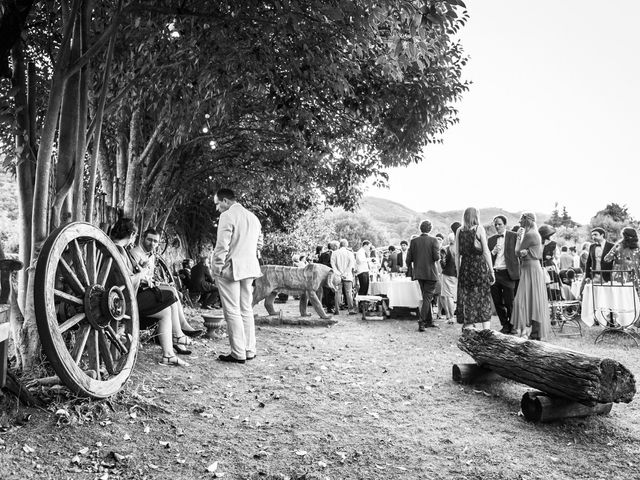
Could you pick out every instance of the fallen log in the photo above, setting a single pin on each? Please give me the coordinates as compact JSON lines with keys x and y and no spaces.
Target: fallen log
{"x":538,"y":407}
{"x":556,"y":371}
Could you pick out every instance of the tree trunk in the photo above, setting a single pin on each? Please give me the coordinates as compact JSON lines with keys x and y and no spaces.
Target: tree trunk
{"x":66,"y":167}
{"x":97,"y":143}
{"x":83,"y":110}
{"x":40,"y":208}
{"x":132,"y":165}
{"x":24,"y":166}
{"x":554,"y":370}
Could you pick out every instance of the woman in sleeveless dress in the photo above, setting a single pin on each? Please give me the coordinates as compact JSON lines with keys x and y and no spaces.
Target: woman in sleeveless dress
{"x":154,"y":306}
{"x":475,"y":272}
{"x":530,"y":306}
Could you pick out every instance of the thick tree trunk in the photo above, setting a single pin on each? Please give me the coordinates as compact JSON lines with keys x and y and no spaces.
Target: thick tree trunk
{"x":70,"y":114}
{"x":24,"y":166}
{"x":554,"y":370}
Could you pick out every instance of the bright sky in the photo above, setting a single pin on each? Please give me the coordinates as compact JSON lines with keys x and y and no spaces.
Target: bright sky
{"x":553,"y":113}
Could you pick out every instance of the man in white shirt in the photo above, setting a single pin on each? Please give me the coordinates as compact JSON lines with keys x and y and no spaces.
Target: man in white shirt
{"x":343,"y":263}
{"x":362,"y":267}
{"x":566,"y":259}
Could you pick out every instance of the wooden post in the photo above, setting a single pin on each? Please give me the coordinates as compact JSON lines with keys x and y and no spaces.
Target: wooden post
{"x":556,"y":371}
{"x":538,"y":407}
{"x":469,"y":373}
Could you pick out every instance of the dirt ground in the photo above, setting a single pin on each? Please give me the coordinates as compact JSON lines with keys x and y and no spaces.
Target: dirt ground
{"x":358,"y":400}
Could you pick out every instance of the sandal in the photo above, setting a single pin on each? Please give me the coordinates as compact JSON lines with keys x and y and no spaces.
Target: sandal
{"x":182,"y":340}
{"x":180,"y":345}
{"x":172,"y":361}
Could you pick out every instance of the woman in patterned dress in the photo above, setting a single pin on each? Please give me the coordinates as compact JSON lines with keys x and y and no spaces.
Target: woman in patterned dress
{"x":475,"y":272}
{"x":531,"y":305}
{"x":625,"y":255}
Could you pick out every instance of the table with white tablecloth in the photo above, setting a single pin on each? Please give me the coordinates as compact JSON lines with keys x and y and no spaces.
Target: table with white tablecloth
{"x":401,"y":292}
{"x":620,"y":300}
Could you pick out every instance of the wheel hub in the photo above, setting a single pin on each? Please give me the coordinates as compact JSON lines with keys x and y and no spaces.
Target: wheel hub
{"x":103,"y":307}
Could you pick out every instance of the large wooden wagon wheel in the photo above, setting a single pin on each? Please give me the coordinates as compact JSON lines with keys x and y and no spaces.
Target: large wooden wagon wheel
{"x":86,"y":310}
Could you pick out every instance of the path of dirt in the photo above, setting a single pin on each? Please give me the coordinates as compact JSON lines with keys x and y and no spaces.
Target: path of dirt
{"x":354,"y":401}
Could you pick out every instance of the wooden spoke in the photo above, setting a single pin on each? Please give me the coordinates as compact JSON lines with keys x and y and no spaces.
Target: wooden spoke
{"x":113,"y":336}
{"x":105,"y":353}
{"x":92,"y":260}
{"x":65,"y":297}
{"x":105,"y":268}
{"x":72,"y":321}
{"x":78,"y":262}
{"x":70,"y":277}
{"x":81,"y":341}
{"x":93,"y":349}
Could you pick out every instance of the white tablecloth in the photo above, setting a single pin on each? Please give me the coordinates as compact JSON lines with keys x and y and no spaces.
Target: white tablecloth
{"x":402,"y":292}
{"x":621,"y":300}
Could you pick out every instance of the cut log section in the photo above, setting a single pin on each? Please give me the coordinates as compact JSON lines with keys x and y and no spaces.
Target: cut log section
{"x":538,"y":407}
{"x":469,"y":373}
{"x":556,"y":371}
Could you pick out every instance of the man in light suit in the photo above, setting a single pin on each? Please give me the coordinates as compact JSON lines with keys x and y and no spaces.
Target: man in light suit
{"x":422,"y":256}
{"x":235,"y":265}
{"x":507,"y":270}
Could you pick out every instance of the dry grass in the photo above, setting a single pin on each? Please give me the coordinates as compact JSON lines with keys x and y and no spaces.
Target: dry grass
{"x":357,"y":400}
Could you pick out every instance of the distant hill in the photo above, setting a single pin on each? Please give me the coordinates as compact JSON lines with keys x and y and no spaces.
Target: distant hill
{"x":401,"y":222}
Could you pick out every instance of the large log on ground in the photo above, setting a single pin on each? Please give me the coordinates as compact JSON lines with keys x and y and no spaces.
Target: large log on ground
{"x":556,"y":371}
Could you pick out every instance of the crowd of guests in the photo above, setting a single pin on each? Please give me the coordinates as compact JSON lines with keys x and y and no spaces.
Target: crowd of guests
{"x":467,"y":274}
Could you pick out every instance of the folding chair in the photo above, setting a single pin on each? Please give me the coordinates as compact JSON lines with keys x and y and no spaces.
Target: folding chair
{"x":564,"y":312}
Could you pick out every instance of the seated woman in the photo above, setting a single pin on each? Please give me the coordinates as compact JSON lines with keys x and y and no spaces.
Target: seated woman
{"x":155,"y":305}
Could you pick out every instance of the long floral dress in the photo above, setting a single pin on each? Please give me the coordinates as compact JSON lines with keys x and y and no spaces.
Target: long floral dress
{"x":474,"y":282}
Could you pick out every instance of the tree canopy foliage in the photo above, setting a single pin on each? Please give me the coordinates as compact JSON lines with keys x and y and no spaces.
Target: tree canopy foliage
{"x":287,"y":103}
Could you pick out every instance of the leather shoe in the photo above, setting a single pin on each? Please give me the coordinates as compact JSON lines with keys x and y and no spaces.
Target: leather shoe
{"x":230,"y":359}
{"x":250,"y":358}
{"x":353,"y":312}
{"x":193,"y":333}
{"x":421,"y":328}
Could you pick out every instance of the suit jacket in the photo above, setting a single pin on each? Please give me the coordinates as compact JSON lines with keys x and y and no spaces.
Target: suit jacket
{"x":510,"y":257}
{"x":235,"y":256}
{"x":422,"y":256}
{"x":591,"y":262}
{"x":325,"y":258}
{"x":200,"y":274}
{"x":397,"y":261}
{"x":392,"y":261}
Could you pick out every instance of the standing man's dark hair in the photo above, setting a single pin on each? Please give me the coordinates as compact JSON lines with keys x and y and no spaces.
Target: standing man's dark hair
{"x":150,"y":231}
{"x":425,"y":226}
{"x":226,"y":194}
